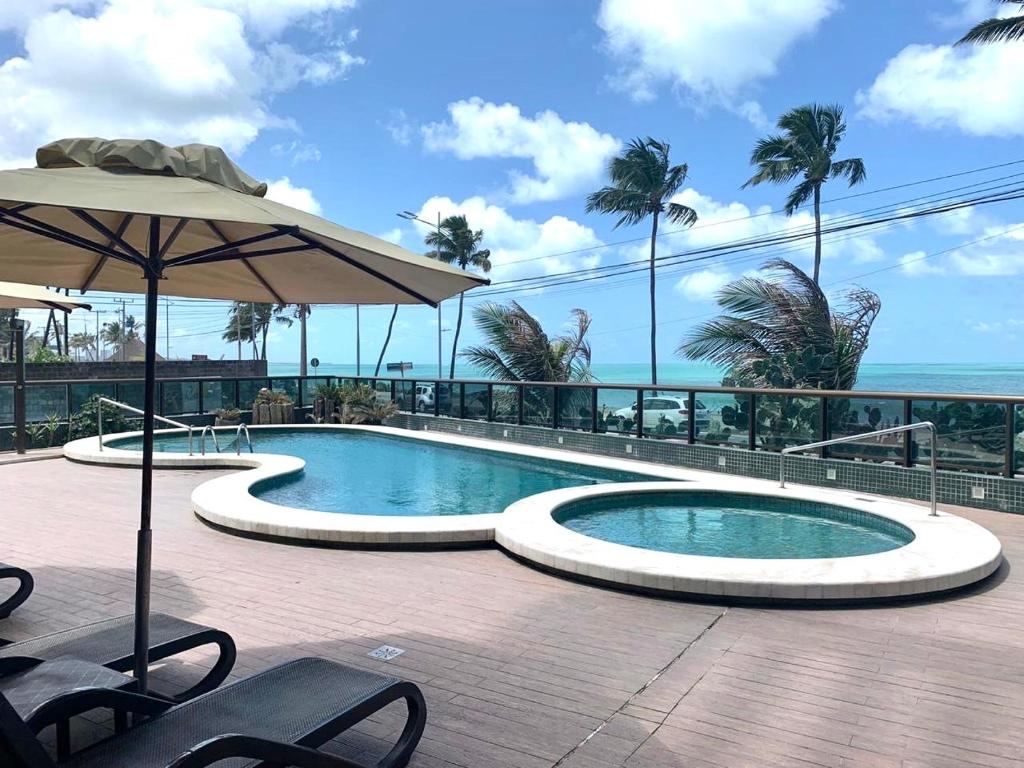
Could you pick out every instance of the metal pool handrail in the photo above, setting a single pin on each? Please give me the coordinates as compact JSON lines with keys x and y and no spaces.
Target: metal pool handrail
{"x":854,"y":438}
{"x":202,"y":439}
{"x":238,"y":439}
{"x":130,"y":409}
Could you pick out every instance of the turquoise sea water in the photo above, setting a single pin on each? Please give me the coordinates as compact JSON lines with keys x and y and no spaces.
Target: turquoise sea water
{"x":977,"y":378}
{"x":367,"y":474}
{"x":718,"y":524}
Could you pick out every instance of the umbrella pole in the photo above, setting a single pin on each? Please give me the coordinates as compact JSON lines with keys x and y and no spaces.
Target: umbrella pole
{"x":144,"y":556}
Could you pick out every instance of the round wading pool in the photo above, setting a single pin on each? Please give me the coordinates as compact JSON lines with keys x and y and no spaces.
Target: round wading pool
{"x":747,"y":539}
{"x":725,"y":524}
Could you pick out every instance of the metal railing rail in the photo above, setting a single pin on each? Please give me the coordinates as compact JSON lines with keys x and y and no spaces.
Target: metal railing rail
{"x":242,"y":429}
{"x":131,"y":409}
{"x":202,"y":439}
{"x":877,"y":433}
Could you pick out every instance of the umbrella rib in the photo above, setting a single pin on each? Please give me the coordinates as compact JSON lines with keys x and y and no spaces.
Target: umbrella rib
{"x":175,"y":231}
{"x":368,"y":270}
{"x":263,"y":282}
{"x":95,"y":272}
{"x":103,"y":229}
{"x":38,"y":228}
{"x":200,"y":257}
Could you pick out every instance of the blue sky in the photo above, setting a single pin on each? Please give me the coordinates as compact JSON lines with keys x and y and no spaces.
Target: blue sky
{"x":509,"y":111}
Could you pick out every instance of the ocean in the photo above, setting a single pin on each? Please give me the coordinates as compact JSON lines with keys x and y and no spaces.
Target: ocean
{"x":974,"y":378}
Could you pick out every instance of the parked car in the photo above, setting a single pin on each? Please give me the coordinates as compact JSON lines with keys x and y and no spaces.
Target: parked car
{"x":424,"y":397}
{"x":661,"y":411}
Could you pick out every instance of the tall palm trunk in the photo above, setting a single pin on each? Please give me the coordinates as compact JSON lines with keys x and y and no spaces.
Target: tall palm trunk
{"x":387,"y":340}
{"x":302,"y":341}
{"x":817,"y":231}
{"x":455,"y":341}
{"x":263,"y":342}
{"x":654,"y":318}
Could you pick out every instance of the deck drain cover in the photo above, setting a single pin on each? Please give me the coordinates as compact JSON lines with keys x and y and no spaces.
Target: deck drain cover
{"x":385,"y":653}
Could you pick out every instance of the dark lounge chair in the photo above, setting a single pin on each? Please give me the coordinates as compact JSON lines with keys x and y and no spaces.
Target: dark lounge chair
{"x":110,"y":643}
{"x":277,"y":717}
{"x":24,"y":588}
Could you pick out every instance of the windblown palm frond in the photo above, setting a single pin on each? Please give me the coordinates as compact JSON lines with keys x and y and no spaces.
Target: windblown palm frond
{"x":998,"y":29}
{"x":784,"y":322}
{"x":520,"y":350}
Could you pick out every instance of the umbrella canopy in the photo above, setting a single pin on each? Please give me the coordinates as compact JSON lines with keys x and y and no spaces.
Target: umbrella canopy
{"x":99,"y":214}
{"x":23,"y":296}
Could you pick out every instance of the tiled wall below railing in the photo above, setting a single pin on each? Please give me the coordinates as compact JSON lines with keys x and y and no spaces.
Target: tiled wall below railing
{"x":961,"y":488}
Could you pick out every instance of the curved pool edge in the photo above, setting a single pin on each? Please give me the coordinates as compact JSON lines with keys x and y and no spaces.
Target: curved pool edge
{"x":227,"y":503}
{"x":948,"y":552}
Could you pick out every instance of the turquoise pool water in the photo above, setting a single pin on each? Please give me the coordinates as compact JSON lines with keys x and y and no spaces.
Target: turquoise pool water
{"x":372,"y":474}
{"x":720,"y":524}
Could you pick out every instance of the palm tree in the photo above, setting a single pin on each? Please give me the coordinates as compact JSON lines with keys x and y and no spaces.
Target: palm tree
{"x":249,"y":323}
{"x":808,"y":141}
{"x":302,"y":312}
{"x":520,"y":350}
{"x":387,"y":340}
{"x":642,"y":181}
{"x":997,"y":29}
{"x":781,"y":331}
{"x":455,"y":243}
{"x":117,"y":336}
{"x":82,"y":342}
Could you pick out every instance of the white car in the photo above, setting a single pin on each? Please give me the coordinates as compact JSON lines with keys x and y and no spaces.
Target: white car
{"x":661,"y":410}
{"x":424,"y":397}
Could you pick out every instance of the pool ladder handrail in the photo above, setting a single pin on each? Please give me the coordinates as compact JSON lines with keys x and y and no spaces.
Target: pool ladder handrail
{"x":238,"y":439}
{"x":131,"y":409}
{"x":202,"y":439}
{"x":877,"y":433}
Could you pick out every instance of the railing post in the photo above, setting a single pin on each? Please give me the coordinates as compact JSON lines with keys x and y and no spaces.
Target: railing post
{"x":490,"y":402}
{"x":752,"y":431}
{"x":462,"y":401}
{"x":520,"y":402}
{"x":394,"y":390}
{"x":1010,"y":457}
{"x":691,"y":417}
{"x":202,"y":403}
{"x":825,"y":432}
{"x":908,"y":437}
{"x":437,"y":398}
{"x":639,"y":413}
{"x":412,"y":406}
{"x":18,"y":330}
{"x":935,"y":467}
{"x":556,"y":404}
{"x":593,"y":410}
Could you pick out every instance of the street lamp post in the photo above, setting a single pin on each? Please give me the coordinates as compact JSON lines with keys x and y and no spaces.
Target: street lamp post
{"x":410,"y":216}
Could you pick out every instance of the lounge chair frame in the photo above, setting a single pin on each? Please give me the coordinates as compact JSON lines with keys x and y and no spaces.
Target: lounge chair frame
{"x":25,"y":586}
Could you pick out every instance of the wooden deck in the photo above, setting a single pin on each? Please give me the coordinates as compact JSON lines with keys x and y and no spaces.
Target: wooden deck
{"x":525,"y":669}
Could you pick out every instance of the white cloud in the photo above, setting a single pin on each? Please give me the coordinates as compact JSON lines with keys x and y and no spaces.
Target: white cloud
{"x":520,"y":245}
{"x":703,"y":285}
{"x":298,"y":151}
{"x":709,"y":52}
{"x":567,"y":157}
{"x":392,"y":235}
{"x":283,"y":191}
{"x":973,"y":89}
{"x":193,"y":70}
{"x":399,"y":126}
{"x":998,"y":326}
{"x":916,"y":264}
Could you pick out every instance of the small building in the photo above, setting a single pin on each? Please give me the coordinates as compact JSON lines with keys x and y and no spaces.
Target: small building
{"x":134,"y":349}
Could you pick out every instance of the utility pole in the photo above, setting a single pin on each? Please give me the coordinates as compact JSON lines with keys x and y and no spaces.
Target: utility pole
{"x":124,"y":334}
{"x":238,"y":328}
{"x":167,"y":328}
{"x":252,"y":327}
{"x":358,"y":363}
{"x":97,"y":335}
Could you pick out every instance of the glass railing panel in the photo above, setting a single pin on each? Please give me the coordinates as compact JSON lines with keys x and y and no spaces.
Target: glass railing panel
{"x":247,"y":391}
{"x":42,"y":401}
{"x":289,"y":386}
{"x":131,"y":393}
{"x":506,"y":404}
{"x":575,"y":408}
{"x":82,"y":392}
{"x":405,"y":392}
{"x":784,"y":421}
{"x":850,"y":416}
{"x":218,"y":394}
{"x":615,"y":412}
{"x":448,"y":399}
{"x":971,"y":436}
{"x":538,"y":406}
{"x":722,"y":419}
{"x":180,"y":397}
{"x":476,"y":403}
{"x":309,"y":387}
{"x":1018,"y":440}
{"x":666,"y":414}
{"x":6,"y":404}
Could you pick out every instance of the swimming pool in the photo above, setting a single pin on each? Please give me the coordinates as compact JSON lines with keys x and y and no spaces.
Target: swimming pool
{"x":367,"y":473}
{"x":722,"y":524}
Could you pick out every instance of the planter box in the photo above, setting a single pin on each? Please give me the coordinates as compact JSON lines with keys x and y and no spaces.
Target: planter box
{"x":274,"y":413}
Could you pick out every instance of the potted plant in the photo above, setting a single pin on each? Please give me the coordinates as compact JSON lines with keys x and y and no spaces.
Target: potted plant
{"x":327,"y":403}
{"x":271,"y":407}
{"x":227,"y":417}
{"x":373,"y":413}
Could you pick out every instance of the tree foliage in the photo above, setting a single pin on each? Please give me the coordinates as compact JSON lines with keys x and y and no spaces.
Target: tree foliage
{"x":999,"y":28}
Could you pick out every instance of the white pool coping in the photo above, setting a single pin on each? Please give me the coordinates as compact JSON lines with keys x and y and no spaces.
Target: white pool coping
{"x":947,"y":551}
{"x":228,"y":503}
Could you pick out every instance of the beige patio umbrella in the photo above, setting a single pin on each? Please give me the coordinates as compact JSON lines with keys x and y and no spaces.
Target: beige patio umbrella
{"x":142,"y":217}
{"x":24,"y":296}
